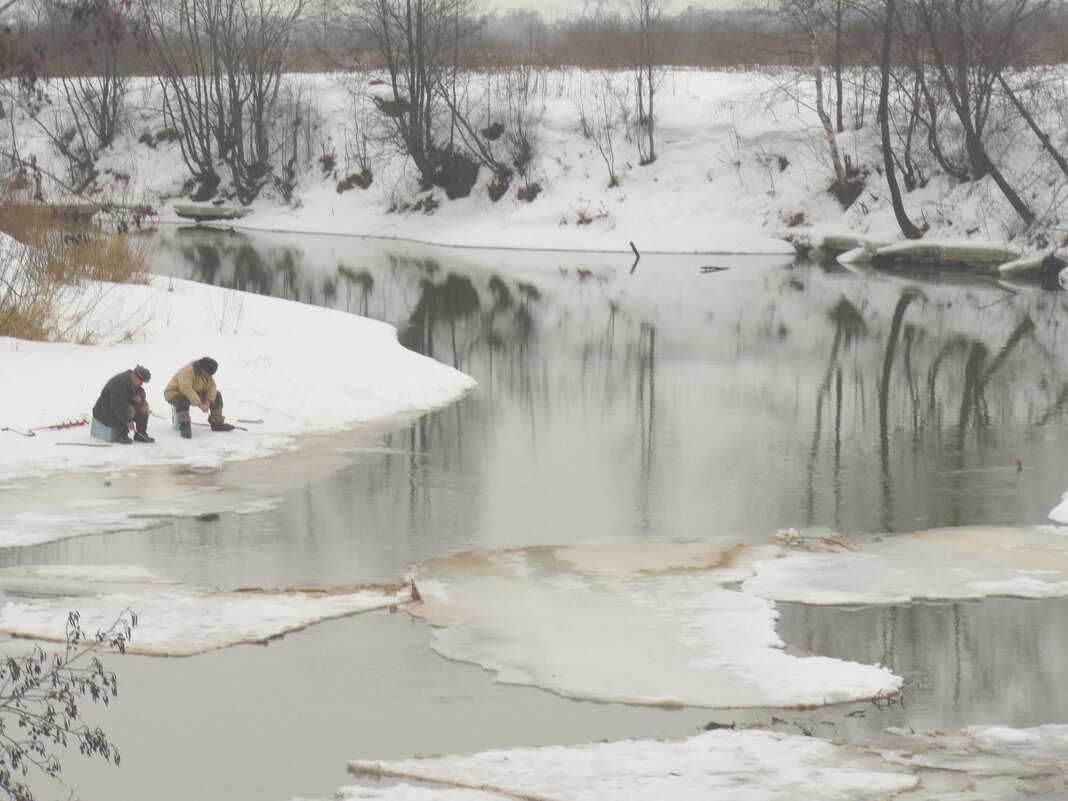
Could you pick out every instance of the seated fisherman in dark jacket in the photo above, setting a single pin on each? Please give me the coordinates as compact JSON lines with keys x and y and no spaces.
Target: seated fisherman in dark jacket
{"x":122,"y":406}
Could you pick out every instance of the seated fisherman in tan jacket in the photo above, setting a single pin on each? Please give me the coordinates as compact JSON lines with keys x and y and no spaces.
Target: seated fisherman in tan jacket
{"x":194,"y":385}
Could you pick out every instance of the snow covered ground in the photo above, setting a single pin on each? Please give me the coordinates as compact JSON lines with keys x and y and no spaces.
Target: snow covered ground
{"x":741,"y":160}
{"x":297,"y":368}
{"x":292,"y":368}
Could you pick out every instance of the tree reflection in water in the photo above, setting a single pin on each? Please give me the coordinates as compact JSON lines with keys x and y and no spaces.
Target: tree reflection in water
{"x":878,"y":395}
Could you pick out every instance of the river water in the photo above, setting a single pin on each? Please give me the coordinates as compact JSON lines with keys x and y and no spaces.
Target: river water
{"x":668,"y":400}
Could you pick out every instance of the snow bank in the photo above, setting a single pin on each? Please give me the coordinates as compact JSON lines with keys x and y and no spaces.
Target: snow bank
{"x":742,"y":160}
{"x":298,"y":368}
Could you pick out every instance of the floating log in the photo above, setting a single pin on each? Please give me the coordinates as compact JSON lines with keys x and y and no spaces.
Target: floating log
{"x":208,"y":212}
{"x":836,"y":245}
{"x":1045,"y":263}
{"x":820,"y":247}
{"x":945,"y":256}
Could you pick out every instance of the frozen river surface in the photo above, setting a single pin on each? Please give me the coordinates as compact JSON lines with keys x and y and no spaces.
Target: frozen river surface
{"x":650,"y":411}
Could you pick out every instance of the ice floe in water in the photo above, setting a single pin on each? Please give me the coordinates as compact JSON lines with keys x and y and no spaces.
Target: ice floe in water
{"x":173,"y":619}
{"x":1059,"y":513}
{"x":978,"y":764}
{"x":694,"y":624}
{"x":739,"y":765}
{"x":631,"y":625}
{"x":966,"y":563}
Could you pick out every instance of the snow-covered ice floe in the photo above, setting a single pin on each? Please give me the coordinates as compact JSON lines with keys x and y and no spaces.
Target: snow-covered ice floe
{"x":641,"y":625}
{"x":1059,"y":513}
{"x":990,"y":763}
{"x":965,"y":563}
{"x":739,"y":765}
{"x":694,"y":625}
{"x":173,"y":619}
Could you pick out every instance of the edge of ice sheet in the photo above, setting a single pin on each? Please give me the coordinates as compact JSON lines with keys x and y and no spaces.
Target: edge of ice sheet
{"x":743,"y":765}
{"x":994,"y":763}
{"x":299,"y":368}
{"x":1059,"y":513}
{"x":179,"y":620}
{"x":965,"y":563}
{"x":680,"y":636}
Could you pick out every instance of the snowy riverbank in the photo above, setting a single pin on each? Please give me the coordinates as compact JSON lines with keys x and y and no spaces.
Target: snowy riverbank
{"x":299,"y":369}
{"x":742,"y":161}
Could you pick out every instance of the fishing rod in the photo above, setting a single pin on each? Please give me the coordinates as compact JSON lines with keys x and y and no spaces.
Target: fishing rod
{"x":207,"y":425}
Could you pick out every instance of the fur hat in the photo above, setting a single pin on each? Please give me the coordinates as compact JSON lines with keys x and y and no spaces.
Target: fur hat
{"x":206,"y":364}
{"x":143,"y":374}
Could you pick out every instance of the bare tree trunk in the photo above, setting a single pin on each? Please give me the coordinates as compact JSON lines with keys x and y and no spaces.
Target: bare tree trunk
{"x":1043,"y":137}
{"x":976,"y":150}
{"x":645,"y":40}
{"x":908,"y":228}
{"x":839,"y":92}
{"x":840,"y":177}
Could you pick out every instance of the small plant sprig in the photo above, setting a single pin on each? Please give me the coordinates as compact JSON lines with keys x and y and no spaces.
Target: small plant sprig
{"x":40,"y":697}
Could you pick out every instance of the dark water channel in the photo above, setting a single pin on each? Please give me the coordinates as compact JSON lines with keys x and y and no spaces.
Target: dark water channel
{"x":665,"y":404}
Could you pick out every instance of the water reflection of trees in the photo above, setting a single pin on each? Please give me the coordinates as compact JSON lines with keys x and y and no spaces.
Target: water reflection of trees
{"x":947,"y":373}
{"x":1000,"y":661}
{"x":905,"y":371}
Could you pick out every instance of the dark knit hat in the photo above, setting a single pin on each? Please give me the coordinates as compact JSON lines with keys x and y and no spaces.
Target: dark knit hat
{"x":142,"y":373}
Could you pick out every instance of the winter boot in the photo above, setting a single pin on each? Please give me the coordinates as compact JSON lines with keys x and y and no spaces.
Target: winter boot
{"x":122,"y":437}
{"x":221,"y":426}
{"x":141,"y":434}
{"x":186,"y":430}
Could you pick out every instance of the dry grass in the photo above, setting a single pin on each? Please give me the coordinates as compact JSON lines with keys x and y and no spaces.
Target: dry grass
{"x":47,"y":269}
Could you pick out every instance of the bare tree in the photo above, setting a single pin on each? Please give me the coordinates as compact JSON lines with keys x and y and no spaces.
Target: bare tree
{"x":647,"y":31}
{"x":908,"y":228}
{"x":220,"y":62}
{"x":38,"y":39}
{"x":425,"y":48}
{"x":813,"y":18}
{"x":967,"y":43}
{"x":1028,"y":117}
{"x":599,"y":116}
